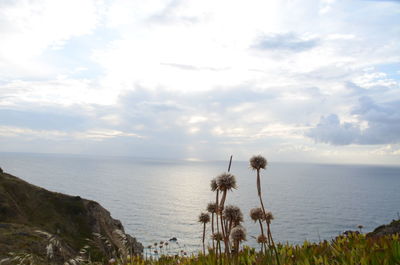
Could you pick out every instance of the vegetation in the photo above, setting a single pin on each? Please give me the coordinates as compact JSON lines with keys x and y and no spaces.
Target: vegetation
{"x":350,"y":249}
{"x":39,"y":225}
{"x":347,"y":250}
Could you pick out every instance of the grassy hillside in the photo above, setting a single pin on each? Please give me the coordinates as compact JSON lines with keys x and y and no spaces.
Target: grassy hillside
{"x":71,"y":220}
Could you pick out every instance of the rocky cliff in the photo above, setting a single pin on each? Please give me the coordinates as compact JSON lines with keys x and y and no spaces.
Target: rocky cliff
{"x":389,"y":229}
{"x":58,"y":226}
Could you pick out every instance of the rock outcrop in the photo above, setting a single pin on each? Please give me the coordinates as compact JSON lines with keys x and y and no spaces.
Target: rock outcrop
{"x":35,"y":220}
{"x":390,"y":229}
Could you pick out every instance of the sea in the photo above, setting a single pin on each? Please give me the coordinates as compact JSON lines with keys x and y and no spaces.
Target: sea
{"x":157,"y":200}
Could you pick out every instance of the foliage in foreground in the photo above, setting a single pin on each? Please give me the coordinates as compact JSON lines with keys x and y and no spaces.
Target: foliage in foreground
{"x":351,"y":249}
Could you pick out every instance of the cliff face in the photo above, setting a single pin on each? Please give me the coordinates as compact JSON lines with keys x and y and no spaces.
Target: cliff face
{"x":32,"y":218}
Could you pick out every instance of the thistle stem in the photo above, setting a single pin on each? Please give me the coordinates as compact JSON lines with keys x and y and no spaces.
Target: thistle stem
{"x":204,"y":235}
{"x":263,"y":246}
{"x":212,"y":229}
{"x":263,"y":209}
{"x":222,"y":223}
{"x":218,"y":212}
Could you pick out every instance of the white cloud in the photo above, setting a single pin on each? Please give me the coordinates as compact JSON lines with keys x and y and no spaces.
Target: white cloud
{"x":92,"y":134}
{"x":62,"y":91}
{"x":193,"y":74}
{"x":28,"y":28}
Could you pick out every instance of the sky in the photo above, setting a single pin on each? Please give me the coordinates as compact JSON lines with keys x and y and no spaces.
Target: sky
{"x":304,"y":81}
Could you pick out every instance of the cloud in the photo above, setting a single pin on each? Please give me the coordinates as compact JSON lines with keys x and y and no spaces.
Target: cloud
{"x":43,"y":120}
{"x":170,"y":14}
{"x":331,"y":130}
{"x":378,"y":123}
{"x":285,"y":42}
{"x":193,"y":67}
{"x":200,"y":78}
{"x":29,"y":28}
{"x":92,"y":134}
{"x":383,"y":121}
{"x":396,"y":1}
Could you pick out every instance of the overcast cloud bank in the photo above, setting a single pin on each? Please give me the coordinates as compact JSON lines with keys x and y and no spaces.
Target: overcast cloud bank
{"x":293,"y":80}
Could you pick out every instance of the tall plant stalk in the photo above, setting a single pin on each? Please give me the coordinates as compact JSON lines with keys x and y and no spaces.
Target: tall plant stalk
{"x":257,"y":163}
{"x":263,"y":246}
{"x":218,"y":211}
{"x":223,"y":226}
{"x":204,"y":218}
{"x":212,"y":229}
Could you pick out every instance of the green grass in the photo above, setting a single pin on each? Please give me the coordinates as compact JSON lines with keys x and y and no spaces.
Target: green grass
{"x":354,"y":249}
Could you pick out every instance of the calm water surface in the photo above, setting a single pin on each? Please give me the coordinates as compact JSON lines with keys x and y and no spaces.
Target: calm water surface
{"x":157,"y":200}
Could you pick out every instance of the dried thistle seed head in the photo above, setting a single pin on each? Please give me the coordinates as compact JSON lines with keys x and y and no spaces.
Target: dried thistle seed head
{"x":204,"y":218}
{"x":213,"y":184}
{"x":238,"y":233}
{"x":233,"y":213}
{"x":262,"y":239}
{"x":226,"y":181}
{"x":217,"y":236}
{"x":256,"y":214}
{"x":269,"y":217}
{"x":258,"y":162}
{"x":212,"y":207}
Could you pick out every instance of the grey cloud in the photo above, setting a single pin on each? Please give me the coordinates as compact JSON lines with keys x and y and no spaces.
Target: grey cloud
{"x":285,"y":42}
{"x":160,"y":106}
{"x":166,"y":15}
{"x":383,"y":125}
{"x":193,"y":67}
{"x":395,"y":1}
{"x":163,"y":119}
{"x":330,"y":130}
{"x":54,"y":119}
{"x":383,"y":120}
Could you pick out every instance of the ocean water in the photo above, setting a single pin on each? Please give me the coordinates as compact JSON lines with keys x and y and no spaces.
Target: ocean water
{"x":157,"y":199}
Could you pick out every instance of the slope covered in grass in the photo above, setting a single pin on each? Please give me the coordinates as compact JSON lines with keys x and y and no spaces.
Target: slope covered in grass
{"x":25,"y":209}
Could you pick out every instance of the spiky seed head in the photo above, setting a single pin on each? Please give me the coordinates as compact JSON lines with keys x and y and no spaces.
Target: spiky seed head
{"x":226,"y":181}
{"x":213,"y":184}
{"x":217,"y":236}
{"x":212,"y":207}
{"x":258,"y":162}
{"x":256,"y":214}
{"x":269,"y":217}
{"x":262,"y":239}
{"x":204,"y":218}
{"x":233,"y":213}
{"x":238,"y":233}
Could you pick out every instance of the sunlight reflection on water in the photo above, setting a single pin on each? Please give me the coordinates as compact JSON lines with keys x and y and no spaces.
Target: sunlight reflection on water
{"x":157,"y":200}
